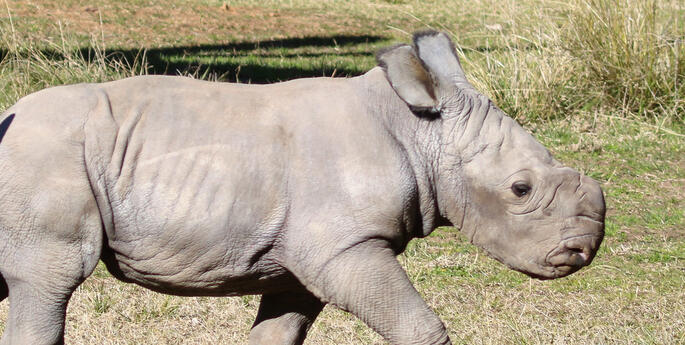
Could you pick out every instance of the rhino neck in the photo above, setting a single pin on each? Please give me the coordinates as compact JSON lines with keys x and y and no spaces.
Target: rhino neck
{"x":474,"y":127}
{"x":463,"y":118}
{"x":418,"y":137}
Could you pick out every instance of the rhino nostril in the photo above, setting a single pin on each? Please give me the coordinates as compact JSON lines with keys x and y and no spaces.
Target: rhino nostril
{"x":574,"y":252}
{"x":579,"y":253}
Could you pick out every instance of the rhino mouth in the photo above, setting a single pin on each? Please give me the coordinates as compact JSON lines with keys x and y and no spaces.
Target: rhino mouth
{"x":565,"y":257}
{"x":572,"y":254}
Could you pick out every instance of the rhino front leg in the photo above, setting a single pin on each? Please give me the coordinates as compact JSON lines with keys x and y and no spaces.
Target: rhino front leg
{"x":368,"y":281}
{"x":284,"y":318}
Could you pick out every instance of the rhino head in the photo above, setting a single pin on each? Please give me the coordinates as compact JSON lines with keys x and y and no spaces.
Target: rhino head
{"x":492,"y":179}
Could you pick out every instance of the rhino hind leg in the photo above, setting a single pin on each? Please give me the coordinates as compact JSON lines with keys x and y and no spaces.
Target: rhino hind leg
{"x":284,"y":318}
{"x":42,"y":266}
{"x":37,"y":314}
{"x":50,"y":231}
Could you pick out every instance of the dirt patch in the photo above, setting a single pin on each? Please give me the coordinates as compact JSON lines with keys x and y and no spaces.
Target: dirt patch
{"x":134,"y":25}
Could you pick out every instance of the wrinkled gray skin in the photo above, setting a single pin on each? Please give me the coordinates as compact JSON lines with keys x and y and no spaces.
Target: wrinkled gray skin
{"x":303,"y":191}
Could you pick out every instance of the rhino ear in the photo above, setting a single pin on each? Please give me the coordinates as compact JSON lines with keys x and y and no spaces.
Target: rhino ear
{"x":436,"y":51}
{"x":408,"y":77}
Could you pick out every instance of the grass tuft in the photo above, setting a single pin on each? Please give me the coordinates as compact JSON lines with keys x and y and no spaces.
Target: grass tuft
{"x":586,"y":56}
{"x":632,"y":52}
{"x":27,"y":66}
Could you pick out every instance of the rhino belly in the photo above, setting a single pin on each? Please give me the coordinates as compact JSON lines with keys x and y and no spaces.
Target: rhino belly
{"x":199,"y":221}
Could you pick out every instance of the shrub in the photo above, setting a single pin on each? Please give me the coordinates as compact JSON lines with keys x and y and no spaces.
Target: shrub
{"x":636,"y":60}
{"x":627,"y":57}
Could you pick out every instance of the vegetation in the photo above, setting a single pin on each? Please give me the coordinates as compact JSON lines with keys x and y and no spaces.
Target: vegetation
{"x":599,"y":82}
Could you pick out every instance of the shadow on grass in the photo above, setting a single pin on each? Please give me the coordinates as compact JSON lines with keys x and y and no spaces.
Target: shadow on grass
{"x":256,"y":62}
{"x":305,"y":57}
{"x":245,"y":60}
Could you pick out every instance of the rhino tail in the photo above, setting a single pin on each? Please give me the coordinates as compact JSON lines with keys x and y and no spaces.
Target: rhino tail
{"x":5,"y":124}
{"x":4,"y":290}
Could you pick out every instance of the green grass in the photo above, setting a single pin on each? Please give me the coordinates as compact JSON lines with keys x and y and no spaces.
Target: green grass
{"x":600,"y":83}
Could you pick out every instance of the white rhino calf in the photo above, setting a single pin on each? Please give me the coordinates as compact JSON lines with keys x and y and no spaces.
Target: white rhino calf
{"x":303,"y":191}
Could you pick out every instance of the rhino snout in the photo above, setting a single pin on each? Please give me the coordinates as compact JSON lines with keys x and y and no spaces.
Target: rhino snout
{"x":583,"y":232}
{"x":573,"y":253}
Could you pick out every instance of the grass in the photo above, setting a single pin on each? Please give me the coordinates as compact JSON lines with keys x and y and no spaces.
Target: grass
{"x":600,"y":83}
{"x":642,"y":58}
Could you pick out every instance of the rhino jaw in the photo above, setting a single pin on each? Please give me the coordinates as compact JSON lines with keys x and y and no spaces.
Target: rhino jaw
{"x":572,"y":254}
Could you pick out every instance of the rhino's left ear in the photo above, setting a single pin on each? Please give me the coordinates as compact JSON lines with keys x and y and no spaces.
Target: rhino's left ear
{"x":426,"y":74}
{"x":436,"y":51}
{"x":408,"y":77}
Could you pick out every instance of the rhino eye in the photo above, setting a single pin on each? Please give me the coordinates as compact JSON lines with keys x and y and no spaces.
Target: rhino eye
{"x":520,"y":189}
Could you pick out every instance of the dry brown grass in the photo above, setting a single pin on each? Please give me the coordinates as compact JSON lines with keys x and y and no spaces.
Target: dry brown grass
{"x":151,"y":24}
